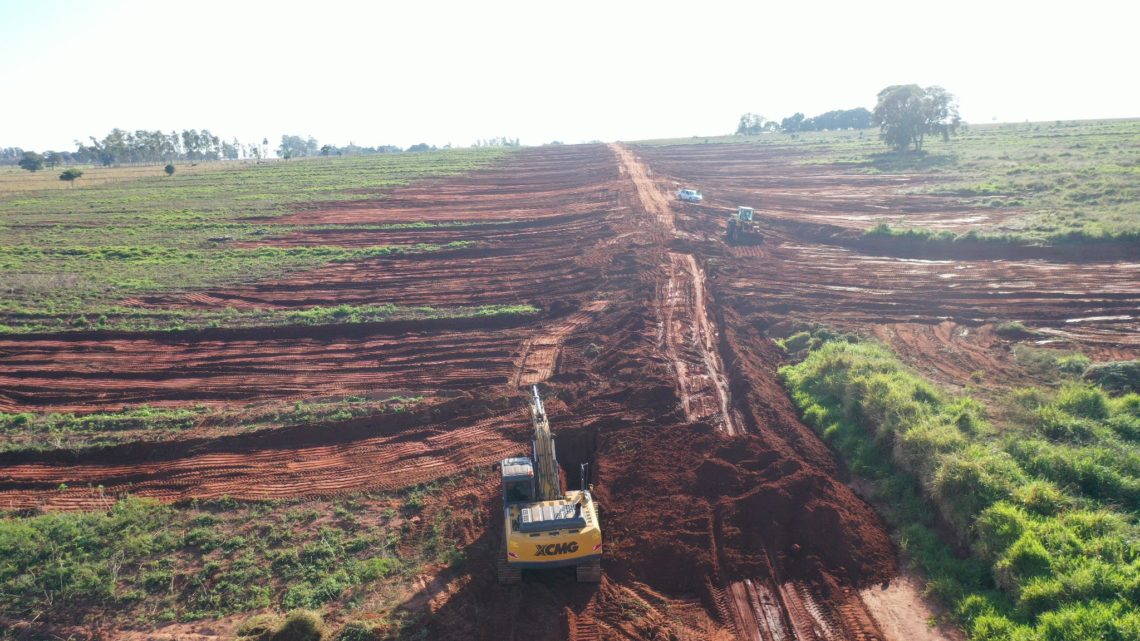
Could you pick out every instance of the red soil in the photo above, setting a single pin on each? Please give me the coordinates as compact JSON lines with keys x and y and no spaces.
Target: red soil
{"x":724,"y":516}
{"x":935,"y":305}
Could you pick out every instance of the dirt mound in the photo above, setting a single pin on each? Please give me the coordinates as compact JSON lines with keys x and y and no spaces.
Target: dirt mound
{"x":684,"y":503}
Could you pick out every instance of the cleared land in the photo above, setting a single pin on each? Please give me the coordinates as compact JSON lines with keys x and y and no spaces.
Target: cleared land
{"x":725,"y":515}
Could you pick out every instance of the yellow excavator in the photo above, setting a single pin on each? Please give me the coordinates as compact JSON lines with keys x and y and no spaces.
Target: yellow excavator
{"x":544,"y":527}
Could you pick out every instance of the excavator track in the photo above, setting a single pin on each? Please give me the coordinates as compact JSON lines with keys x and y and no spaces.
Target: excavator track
{"x":590,"y":572}
{"x":508,"y":574}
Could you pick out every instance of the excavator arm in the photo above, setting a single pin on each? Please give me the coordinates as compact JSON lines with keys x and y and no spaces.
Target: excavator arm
{"x":547,"y":476}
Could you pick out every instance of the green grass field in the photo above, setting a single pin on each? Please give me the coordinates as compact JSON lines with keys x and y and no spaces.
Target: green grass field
{"x":1045,"y":495}
{"x":79,"y":250}
{"x":31,"y":431}
{"x":1062,"y":181}
{"x":142,"y":563}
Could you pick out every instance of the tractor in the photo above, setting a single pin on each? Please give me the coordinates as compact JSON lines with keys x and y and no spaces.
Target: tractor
{"x":743,"y":229}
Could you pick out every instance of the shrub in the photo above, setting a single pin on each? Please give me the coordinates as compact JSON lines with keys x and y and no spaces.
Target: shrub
{"x":258,"y":628}
{"x":1027,"y":558}
{"x":970,"y":481}
{"x":1081,"y":622}
{"x":1118,"y":376}
{"x":354,"y":631}
{"x":1084,"y":401}
{"x":973,"y":606}
{"x":1126,"y":427}
{"x":377,"y":568}
{"x":1058,"y":425}
{"x":994,"y":627}
{"x":999,"y":527}
{"x":1041,"y":498}
{"x":1013,"y":330}
{"x":1049,"y":361}
{"x":1041,"y":595}
{"x":920,"y":450}
{"x":300,"y":625}
{"x":1074,"y":364}
{"x":1057,"y":556}
{"x":795,"y":343}
{"x":966,"y":414}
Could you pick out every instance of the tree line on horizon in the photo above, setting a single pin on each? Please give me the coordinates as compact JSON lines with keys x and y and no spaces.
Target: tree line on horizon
{"x":905,"y":115}
{"x":121,"y":147}
{"x":858,"y":118}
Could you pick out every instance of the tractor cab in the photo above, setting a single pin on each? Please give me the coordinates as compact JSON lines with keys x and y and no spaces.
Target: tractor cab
{"x":744,"y":214}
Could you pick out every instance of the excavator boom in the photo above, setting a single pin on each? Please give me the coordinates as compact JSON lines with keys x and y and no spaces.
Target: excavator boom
{"x":547,"y":475}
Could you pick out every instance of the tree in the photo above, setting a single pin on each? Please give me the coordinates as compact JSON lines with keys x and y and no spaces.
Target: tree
{"x":53,"y":158}
{"x":751,"y":124}
{"x":792,"y":123}
{"x":941,"y":112}
{"x":69,"y":175}
{"x":169,"y":169}
{"x":906,"y":113}
{"x":231,"y":150}
{"x":296,"y":147}
{"x":32,"y":161}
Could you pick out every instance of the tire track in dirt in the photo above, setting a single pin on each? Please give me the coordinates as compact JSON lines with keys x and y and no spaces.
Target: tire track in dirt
{"x":653,"y":199}
{"x":688,"y":337}
{"x":561,"y":209}
{"x":277,"y":471}
{"x":672,"y":488}
{"x":540,"y":354}
{"x":757,"y":609}
{"x":551,"y":215}
{"x":814,"y":267}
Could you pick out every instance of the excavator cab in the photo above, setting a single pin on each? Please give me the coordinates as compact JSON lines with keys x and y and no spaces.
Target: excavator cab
{"x":518,"y":480}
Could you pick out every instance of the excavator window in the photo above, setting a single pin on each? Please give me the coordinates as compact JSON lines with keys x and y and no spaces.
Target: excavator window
{"x":519,"y":492}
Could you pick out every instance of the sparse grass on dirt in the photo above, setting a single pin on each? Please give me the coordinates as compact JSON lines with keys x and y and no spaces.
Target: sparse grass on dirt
{"x":27,"y":431}
{"x":68,"y":250}
{"x":1047,"y":502}
{"x":69,"y":280}
{"x":141,"y":563}
{"x":1064,"y":181}
{"x":126,"y":319}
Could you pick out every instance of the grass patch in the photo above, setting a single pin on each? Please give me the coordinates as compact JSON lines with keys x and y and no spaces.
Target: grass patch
{"x":1050,"y":363}
{"x":1052,"y":182}
{"x":30,"y":431}
{"x":1013,"y":330}
{"x":126,"y":319}
{"x":73,"y":280}
{"x":1047,"y":504}
{"x":69,"y":250}
{"x":144,"y":563}
{"x":1118,"y":376}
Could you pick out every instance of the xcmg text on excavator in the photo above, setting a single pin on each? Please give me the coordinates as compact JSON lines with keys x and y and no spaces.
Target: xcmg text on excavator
{"x":544,"y":527}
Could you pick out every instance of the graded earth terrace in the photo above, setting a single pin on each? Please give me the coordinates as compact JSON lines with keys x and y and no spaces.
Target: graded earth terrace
{"x":377,"y":389}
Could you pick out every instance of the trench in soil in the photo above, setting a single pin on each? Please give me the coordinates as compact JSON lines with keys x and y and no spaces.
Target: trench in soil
{"x":722,"y":513}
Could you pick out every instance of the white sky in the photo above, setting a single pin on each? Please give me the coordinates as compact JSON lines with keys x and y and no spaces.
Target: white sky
{"x":407,"y":71}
